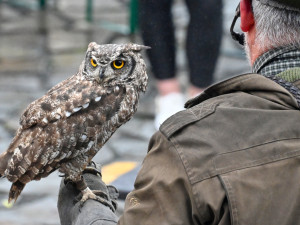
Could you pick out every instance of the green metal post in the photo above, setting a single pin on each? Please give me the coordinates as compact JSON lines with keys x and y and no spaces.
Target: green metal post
{"x":42,"y":4}
{"x":133,"y":16}
{"x":89,"y":10}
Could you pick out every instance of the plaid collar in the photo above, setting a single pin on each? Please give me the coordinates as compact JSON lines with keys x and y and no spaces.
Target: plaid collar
{"x":277,"y":60}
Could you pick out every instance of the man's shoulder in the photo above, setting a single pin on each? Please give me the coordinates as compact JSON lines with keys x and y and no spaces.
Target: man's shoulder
{"x":204,"y":105}
{"x":243,"y":91}
{"x":207,"y":131}
{"x":187,"y":117}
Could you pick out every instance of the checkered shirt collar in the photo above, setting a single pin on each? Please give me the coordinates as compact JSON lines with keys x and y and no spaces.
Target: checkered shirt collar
{"x":277,"y":60}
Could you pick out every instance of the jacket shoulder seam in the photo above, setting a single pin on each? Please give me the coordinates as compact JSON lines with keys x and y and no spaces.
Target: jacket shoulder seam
{"x":186,"y":117}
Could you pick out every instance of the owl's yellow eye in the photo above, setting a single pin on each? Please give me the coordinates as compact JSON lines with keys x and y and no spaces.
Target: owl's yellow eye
{"x":93,"y":62}
{"x":118,"y":64}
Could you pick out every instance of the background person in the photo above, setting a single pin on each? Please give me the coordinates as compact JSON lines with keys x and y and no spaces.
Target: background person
{"x":203,"y":42}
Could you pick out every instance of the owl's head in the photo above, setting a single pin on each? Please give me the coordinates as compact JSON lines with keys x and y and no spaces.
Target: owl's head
{"x":115,"y":64}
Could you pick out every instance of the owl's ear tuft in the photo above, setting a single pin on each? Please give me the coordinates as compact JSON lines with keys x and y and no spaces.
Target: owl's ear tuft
{"x":92,"y":46}
{"x":136,"y":47}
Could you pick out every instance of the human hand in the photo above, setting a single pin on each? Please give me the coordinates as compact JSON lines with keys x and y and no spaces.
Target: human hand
{"x":69,"y":197}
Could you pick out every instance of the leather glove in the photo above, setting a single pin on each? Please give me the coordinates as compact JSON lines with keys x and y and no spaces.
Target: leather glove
{"x":70,"y":209}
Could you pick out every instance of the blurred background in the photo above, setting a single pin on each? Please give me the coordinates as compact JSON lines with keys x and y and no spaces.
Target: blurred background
{"x":42,"y":42}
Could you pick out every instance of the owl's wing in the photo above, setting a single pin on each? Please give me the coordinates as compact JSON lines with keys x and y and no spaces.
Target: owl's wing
{"x":37,"y":110}
{"x":61,"y":101}
{"x":68,"y":142}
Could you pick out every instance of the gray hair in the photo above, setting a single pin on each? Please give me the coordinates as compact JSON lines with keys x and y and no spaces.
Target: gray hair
{"x":275,"y":27}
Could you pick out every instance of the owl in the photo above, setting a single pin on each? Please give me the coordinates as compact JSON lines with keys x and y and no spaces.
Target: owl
{"x":65,"y":128}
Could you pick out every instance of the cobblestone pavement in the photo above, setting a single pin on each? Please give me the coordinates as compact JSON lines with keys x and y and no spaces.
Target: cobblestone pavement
{"x":41,"y":48}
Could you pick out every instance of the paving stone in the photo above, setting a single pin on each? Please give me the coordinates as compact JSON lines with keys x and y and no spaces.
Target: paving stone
{"x":16,"y":46}
{"x":5,"y":138}
{"x":19,"y":83}
{"x":131,"y":140}
{"x":105,"y":155}
{"x":77,"y":41}
{"x":240,"y":66}
{"x":40,"y":212}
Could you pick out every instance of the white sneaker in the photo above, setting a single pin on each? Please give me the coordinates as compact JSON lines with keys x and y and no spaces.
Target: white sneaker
{"x":166,"y":106}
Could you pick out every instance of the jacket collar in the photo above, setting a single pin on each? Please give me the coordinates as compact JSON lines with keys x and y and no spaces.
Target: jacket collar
{"x":277,"y":60}
{"x":251,"y":83}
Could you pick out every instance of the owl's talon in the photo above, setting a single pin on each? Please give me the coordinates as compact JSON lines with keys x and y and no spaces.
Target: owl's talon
{"x":97,"y":196}
{"x":93,"y":168}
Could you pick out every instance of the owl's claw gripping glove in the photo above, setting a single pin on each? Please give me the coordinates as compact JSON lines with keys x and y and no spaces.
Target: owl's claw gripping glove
{"x":101,"y":211}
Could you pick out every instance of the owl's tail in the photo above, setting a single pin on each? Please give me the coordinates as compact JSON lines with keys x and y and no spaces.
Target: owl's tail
{"x":15,"y":191}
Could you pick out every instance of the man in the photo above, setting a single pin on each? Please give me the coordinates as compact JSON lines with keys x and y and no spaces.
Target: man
{"x":232,"y":157}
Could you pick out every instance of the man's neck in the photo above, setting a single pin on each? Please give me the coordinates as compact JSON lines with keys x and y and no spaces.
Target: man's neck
{"x":253,"y":49}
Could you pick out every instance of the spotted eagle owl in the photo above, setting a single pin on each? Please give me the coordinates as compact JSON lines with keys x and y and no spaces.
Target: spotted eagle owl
{"x":66,"y":127}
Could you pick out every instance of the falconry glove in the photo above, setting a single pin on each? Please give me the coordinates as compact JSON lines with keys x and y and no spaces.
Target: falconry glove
{"x":72,"y":211}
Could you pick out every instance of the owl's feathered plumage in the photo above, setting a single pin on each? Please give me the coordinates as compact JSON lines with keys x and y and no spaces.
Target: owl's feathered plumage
{"x":66,"y":127}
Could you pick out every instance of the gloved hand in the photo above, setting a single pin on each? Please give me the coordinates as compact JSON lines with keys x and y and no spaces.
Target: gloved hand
{"x":72,"y":212}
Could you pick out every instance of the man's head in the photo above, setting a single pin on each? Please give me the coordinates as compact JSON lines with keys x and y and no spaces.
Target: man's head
{"x":269,"y":24}
{"x":293,"y":5}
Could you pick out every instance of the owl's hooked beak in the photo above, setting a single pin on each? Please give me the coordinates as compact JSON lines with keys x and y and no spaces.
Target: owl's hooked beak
{"x":101,"y":72}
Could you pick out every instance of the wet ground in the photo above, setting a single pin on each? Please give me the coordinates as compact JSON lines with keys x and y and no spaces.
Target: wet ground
{"x":41,"y":48}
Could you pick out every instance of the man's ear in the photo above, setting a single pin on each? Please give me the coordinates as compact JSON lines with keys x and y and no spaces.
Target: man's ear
{"x":247,"y":17}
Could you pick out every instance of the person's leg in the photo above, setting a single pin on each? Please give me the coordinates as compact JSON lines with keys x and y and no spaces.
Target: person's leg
{"x":157,"y":30}
{"x":203,"y":41}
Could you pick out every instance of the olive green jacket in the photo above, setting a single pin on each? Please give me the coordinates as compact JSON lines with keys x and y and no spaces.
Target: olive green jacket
{"x":231,"y":158}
